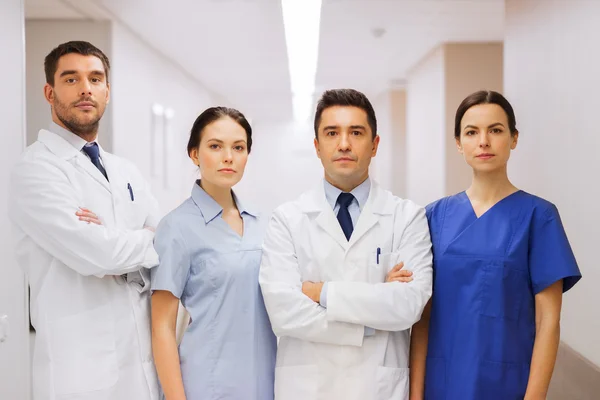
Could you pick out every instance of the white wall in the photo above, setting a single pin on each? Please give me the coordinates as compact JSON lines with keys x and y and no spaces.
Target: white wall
{"x":552,"y":59}
{"x":142,"y":77}
{"x":425,"y":130}
{"x":381,"y":165}
{"x":282,"y":165}
{"x":41,"y":37}
{"x":14,"y":364}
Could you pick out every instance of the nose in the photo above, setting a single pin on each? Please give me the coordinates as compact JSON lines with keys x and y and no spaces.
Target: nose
{"x":484,"y":140}
{"x":344,"y":144}
{"x":86,"y":88}
{"x":228,"y":156}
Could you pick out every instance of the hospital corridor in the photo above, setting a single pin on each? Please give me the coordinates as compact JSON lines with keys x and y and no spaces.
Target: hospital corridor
{"x":299,"y":199}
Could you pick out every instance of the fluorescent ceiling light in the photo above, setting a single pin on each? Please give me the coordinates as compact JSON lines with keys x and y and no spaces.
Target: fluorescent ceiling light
{"x":301,"y":20}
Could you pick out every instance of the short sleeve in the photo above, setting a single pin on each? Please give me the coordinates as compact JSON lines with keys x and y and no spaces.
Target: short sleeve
{"x":173,"y":268}
{"x":550,"y":255}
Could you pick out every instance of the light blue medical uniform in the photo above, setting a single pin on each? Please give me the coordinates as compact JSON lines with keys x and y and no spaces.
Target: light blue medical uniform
{"x":228,"y":350}
{"x":487,"y":271}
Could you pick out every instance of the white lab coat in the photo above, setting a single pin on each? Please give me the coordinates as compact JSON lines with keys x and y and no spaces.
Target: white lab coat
{"x":92,"y":324}
{"x":323,"y":353}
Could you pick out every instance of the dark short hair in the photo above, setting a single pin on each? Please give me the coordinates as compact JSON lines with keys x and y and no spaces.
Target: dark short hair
{"x":346,"y":98}
{"x":78,"y":47}
{"x":485,"y":97}
{"x":213,"y":114}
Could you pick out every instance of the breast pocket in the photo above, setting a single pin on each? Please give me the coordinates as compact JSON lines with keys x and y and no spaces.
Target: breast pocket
{"x":381,"y":264}
{"x":83,"y":352}
{"x":134,"y":207}
{"x":503,"y":290}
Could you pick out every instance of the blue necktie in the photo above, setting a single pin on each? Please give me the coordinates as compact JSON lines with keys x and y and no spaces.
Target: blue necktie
{"x":93,"y":152}
{"x":344,"y":200}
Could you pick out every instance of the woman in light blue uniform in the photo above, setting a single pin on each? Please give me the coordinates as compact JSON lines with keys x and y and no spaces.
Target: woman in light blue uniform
{"x":501,"y":264}
{"x":210,"y":251}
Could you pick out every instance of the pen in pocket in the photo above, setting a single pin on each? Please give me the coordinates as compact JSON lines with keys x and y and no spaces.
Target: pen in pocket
{"x":130,"y":191}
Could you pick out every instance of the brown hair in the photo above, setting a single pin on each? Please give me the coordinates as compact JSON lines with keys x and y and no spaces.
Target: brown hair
{"x":78,"y":47}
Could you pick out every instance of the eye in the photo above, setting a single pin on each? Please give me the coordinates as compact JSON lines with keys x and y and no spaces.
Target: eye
{"x":239,"y":148}
{"x":70,"y":80}
{"x":470,"y":133}
{"x":356,"y":133}
{"x":496,"y":130}
{"x":331,"y":133}
{"x":96,"y":80}
{"x":214,"y":146}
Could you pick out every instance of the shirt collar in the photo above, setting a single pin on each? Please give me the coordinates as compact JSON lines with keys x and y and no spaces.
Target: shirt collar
{"x":209,"y":207}
{"x":69,"y":136}
{"x":360,"y":193}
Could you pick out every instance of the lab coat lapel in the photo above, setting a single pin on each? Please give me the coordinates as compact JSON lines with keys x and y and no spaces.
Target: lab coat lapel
{"x":86,"y":164}
{"x":316,"y":203}
{"x":65,"y":150}
{"x":118,"y":184}
{"x":375,"y":207}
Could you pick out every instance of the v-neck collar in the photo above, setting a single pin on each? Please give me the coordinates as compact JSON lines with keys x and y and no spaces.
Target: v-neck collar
{"x":472,"y":209}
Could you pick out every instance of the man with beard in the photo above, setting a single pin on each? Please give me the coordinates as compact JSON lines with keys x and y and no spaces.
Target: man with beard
{"x":84,"y":225}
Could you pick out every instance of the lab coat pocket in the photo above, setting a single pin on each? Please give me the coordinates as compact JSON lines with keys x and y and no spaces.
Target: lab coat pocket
{"x":380,"y":266}
{"x":503,"y":290}
{"x":84,"y":357}
{"x":392,"y":383}
{"x":296,"y":382}
{"x":435,"y":379}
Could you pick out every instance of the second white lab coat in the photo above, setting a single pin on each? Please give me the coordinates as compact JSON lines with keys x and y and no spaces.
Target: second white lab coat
{"x":323,"y":353}
{"x":92,"y":322}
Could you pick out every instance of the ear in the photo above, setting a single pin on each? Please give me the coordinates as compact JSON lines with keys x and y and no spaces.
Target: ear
{"x":375,"y":145}
{"x":316,"y":143}
{"x":515,"y":140}
{"x":194,"y":157}
{"x":107,"y":92}
{"x":49,"y":93}
{"x":459,"y":146}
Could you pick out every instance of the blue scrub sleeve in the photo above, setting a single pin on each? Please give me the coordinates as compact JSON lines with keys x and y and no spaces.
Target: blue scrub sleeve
{"x":550,"y":255}
{"x":173,"y":268}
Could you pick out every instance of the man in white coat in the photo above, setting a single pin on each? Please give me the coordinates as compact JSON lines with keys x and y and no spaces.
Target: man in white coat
{"x":332,"y":271}
{"x":84,"y":224}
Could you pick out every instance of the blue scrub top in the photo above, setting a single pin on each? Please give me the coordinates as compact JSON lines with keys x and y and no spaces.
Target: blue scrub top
{"x":487,"y":271}
{"x":228,"y":350}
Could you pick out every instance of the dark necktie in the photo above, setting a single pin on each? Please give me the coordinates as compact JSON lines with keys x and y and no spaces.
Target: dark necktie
{"x":344,"y":200}
{"x":93,"y":152}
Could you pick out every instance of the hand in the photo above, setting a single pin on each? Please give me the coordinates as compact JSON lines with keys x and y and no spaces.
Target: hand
{"x":88,"y":216}
{"x":397,"y":274}
{"x":312,"y":290}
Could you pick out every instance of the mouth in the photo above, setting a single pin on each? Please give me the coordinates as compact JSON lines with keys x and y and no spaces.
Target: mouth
{"x":227,"y":171}
{"x":485,"y":156}
{"x":344,"y":159}
{"x":85,"y":105}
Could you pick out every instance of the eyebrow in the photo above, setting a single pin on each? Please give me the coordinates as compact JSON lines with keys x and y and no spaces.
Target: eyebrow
{"x":73,"y":72}
{"x":329,"y":127}
{"x":491,"y":126}
{"x":220,"y":141}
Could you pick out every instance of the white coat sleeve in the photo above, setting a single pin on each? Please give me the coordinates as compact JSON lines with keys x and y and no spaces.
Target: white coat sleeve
{"x":291,"y":312}
{"x":43,"y":203}
{"x":393,"y":306}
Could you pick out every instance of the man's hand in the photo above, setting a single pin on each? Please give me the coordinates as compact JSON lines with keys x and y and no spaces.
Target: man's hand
{"x":397,"y":274}
{"x":312,"y":290}
{"x":88,"y":216}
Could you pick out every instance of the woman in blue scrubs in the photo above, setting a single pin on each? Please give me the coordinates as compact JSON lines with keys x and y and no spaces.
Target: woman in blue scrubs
{"x":501,"y":264}
{"x":210,"y":250}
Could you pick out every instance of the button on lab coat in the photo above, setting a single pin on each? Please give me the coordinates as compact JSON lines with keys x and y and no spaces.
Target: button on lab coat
{"x":92,"y":322}
{"x":323,"y":353}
